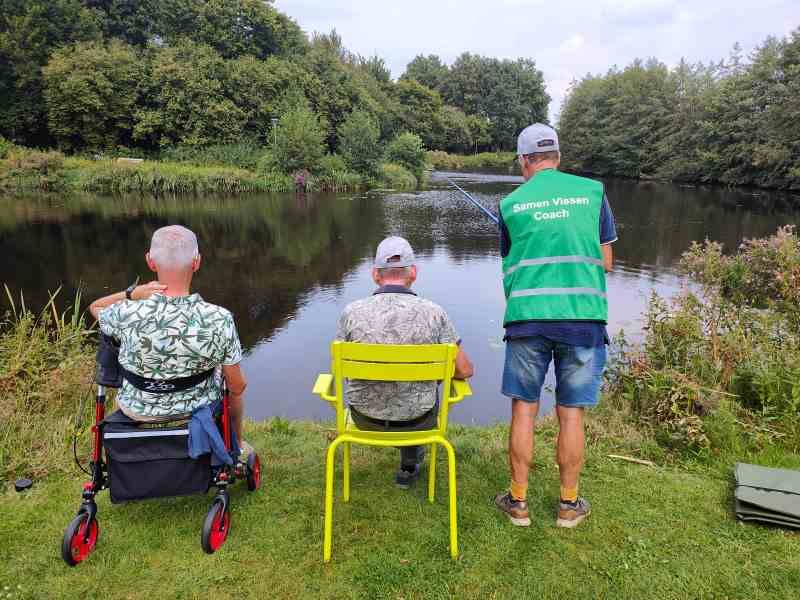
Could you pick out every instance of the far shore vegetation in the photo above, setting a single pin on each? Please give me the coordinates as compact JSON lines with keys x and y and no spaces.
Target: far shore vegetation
{"x":234,"y":97}
{"x":713,"y":382}
{"x":732,"y":122}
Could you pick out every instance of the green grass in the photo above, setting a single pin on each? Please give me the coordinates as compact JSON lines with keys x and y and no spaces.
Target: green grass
{"x":655,"y":532}
{"x":30,"y":170}
{"x":494,"y":161}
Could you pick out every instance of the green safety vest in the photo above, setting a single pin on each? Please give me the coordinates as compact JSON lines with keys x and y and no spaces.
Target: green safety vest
{"x":554,"y":269}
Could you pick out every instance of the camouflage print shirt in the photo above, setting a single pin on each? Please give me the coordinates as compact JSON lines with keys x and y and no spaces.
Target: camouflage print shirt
{"x":394,"y":315}
{"x":167,"y":337}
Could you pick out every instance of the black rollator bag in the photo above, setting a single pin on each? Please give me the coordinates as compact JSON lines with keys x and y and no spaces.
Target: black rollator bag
{"x":152,"y":461}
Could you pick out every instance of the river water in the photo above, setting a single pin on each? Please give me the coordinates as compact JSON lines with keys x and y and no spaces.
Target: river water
{"x":286,"y":265}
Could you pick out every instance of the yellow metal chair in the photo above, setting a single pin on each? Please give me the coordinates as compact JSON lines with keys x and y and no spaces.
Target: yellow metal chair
{"x":383,"y":362}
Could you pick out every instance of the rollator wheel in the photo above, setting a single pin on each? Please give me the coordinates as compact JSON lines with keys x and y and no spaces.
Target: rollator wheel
{"x":77,"y":545}
{"x":216,"y":527}
{"x":253,"y":472}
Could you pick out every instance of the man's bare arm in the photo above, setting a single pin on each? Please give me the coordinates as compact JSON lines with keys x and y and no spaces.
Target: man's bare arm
{"x":234,"y":378}
{"x":464,"y":369}
{"x":608,"y":257}
{"x":141,"y":292}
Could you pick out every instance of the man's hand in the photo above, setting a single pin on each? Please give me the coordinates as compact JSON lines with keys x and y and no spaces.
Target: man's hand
{"x":143,"y":292}
{"x":608,"y":257}
{"x":140,"y":292}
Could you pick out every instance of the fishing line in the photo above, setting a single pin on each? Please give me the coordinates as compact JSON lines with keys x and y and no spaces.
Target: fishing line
{"x":483,"y":209}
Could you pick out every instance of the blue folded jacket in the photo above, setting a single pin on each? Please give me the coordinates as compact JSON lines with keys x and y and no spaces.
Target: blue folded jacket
{"x":205,"y":436}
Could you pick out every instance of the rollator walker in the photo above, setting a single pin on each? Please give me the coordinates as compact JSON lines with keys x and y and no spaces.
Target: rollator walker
{"x":137,"y":460}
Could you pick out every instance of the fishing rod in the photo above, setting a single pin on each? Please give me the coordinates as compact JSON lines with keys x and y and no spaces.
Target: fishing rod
{"x":485,"y":210}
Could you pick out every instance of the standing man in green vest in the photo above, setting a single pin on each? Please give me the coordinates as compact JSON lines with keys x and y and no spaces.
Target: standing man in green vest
{"x":556,"y":232}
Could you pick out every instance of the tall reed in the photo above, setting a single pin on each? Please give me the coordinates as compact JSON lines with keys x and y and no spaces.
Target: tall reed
{"x":45,"y":368}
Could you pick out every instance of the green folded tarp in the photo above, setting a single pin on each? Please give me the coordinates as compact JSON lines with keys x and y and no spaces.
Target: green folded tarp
{"x":768,"y":495}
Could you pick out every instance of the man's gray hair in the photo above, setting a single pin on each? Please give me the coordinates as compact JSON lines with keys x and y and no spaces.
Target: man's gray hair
{"x":173,"y":247}
{"x":395,"y":273}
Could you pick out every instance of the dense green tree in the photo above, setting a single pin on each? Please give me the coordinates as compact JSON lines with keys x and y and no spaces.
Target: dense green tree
{"x":29,"y":32}
{"x":453,"y":132}
{"x":376,"y":68}
{"x":259,"y":88}
{"x":509,"y":94}
{"x":734,"y":122}
{"x":334,"y":90}
{"x":420,"y":110}
{"x":135,"y":21}
{"x":187,"y":99}
{"x":408,"y":150}
{"x":299,"y":140}
{"x":479,"y":134}
{"x":91,"y":90}
{"x":429,"y":70}
{"x":238,"y":27}
{"x":359,"y":142}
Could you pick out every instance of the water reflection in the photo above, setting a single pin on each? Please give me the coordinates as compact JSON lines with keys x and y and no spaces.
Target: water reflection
{"x":261,"y":255}
{"x":286,"y":265}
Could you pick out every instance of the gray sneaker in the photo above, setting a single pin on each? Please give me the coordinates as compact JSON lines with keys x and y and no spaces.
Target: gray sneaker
{"x":517,"y":510}
{"x":571,"y":514}
{"x":404,"y":478}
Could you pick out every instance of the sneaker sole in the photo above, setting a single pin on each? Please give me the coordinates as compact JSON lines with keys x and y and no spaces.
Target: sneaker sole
{"x":571,"y":523}
{"x":519,"y":521}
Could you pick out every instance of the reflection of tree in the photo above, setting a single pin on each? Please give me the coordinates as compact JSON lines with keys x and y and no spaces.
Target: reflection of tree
{"x":261,"y":255}
{"x":264,"y":255}
{"x":656,"y":222}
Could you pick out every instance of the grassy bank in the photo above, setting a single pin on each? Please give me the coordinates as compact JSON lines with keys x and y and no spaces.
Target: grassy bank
{"x":27,"y":170}
{"x":665,"y":531}
{"x":493,"y":161}
{"x":659,"y":532}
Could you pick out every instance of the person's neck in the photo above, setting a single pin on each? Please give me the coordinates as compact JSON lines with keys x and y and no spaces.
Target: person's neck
{"x":399,"y":283}
{"x":177,"y":284}
{"x":543,"y":166}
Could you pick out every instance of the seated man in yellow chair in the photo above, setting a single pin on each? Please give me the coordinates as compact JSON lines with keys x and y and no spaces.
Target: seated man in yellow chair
{"x":394,"y":314}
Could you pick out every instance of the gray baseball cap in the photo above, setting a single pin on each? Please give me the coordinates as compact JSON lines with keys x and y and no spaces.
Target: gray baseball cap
{"x":394,"y":246}
{"x":537,"y":138}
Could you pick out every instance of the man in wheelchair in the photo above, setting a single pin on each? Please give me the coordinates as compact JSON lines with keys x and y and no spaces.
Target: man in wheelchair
{"x":393,"y":314}
{"x":172,"y":342}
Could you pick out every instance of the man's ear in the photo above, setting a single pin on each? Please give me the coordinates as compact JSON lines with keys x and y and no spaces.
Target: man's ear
{"x":150,"y":264}
{"x":412,"y":275}
{"x":196,"y":263}
{"x":376,"y":276}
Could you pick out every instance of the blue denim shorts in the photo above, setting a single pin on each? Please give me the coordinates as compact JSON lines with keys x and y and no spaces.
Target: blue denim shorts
{"x":579,"y":370}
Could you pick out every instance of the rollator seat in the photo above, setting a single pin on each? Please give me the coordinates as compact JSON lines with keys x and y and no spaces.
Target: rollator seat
{"x":151,"y":460}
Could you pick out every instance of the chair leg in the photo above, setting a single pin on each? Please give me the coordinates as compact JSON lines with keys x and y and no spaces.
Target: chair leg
{"x":346,"y":472}
{"x":432,"y":474}
{"x":328,"y":535}
{"x":451,"y":459}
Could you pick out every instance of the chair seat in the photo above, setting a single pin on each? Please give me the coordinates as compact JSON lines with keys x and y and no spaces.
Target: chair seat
{"x":387,"y":438}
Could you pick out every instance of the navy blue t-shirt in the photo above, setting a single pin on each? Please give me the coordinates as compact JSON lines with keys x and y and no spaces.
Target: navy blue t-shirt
{"x":574,"y":333}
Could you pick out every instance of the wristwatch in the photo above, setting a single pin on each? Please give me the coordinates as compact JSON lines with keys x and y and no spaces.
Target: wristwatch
{"x":129,"y":291}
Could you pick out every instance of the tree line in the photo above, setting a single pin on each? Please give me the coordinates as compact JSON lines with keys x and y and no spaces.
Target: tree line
{"x":94,"y":75}
{"x":735,"y":122}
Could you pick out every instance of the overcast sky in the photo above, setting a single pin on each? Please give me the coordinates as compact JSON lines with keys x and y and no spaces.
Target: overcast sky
{"x":566,"y":38}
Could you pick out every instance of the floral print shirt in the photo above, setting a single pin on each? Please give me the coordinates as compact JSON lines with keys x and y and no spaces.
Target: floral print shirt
{"x":166,"y":337}
{"x":394,"y":315}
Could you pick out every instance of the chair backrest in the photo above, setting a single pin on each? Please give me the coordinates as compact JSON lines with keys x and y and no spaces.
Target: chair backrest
{"x":390,"y":362}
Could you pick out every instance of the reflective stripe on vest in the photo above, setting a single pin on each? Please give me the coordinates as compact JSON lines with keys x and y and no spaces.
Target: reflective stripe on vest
{"x":580,"y":291}
{"x":554,"y":269}
{"x":554,"y":260}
